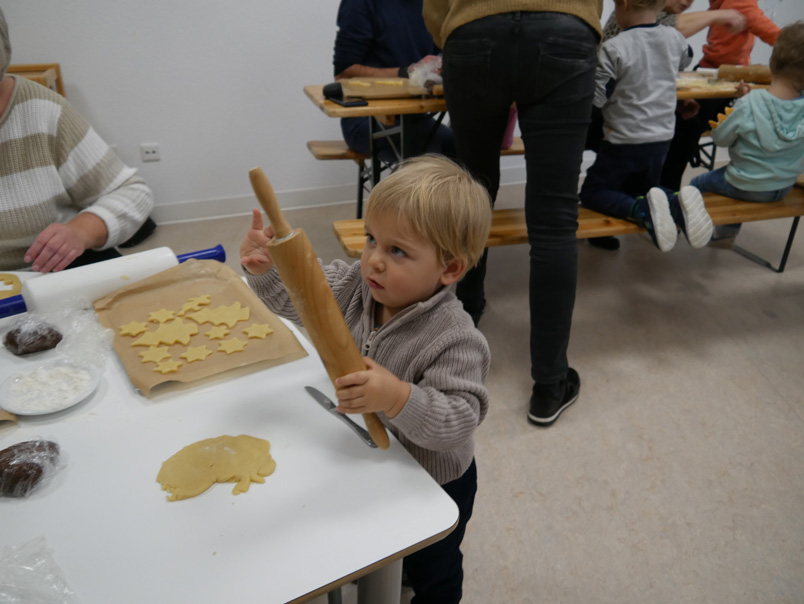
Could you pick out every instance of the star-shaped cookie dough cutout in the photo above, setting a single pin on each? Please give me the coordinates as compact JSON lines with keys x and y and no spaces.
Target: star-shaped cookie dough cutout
{"x":154,"y":354}
{"x":161,"y":316}
{"x":194,"y":304}
{"x":222,"y":315}
{"x":134,"y":328}
{"x":168,"y":366}
{"x":168,"y":333}
{"x":232,"y":345}
{"x":217,"y":333}
{"x":195,"y":353}
{"x":258,"y":330}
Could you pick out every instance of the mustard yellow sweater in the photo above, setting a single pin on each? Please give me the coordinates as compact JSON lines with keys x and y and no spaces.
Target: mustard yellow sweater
{"x":442,"y":17}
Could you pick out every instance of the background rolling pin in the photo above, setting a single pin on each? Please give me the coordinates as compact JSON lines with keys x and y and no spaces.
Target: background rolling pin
{"x":752,"y":74}
{"x":48,"y":292}
{"x":309,"y":291}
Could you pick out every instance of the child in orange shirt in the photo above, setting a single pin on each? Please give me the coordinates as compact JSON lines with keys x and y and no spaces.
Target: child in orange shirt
{"x":726,"y":48}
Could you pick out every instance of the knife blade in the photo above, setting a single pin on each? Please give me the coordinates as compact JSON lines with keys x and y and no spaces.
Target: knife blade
{"x":327,"y":404}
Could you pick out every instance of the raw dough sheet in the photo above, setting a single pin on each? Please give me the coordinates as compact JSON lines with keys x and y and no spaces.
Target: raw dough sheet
{"x":170,"y":290}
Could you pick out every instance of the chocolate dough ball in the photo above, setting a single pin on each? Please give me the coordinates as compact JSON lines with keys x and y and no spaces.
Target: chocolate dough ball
{"x":31,"y":334}
{"x":23,"y":465}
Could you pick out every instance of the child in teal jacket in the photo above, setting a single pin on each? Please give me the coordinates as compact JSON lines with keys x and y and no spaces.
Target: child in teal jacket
{"x":764,"y":133}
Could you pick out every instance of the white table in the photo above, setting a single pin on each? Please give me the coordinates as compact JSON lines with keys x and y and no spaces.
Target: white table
{"x":334,"y":510}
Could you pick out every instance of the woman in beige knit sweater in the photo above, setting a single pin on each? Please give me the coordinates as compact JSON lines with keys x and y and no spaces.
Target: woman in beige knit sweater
{"x":65,"y":197}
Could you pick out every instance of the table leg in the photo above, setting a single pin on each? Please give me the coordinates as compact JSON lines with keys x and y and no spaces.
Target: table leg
{"x":383,"y":586}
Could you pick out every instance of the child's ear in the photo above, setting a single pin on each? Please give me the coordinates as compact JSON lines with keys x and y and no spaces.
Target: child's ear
{"x":453,"y":270}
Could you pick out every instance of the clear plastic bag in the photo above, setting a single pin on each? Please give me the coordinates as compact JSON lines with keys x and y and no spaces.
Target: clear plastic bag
{"x":74,"y":332}
{"x":86,"y":341}
{"x":426,"y":73}
{"x":29,"y":575}
{"x":31,"y":333}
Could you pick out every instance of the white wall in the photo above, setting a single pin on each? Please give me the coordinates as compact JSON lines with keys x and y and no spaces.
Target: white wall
{"x":219,"y":86}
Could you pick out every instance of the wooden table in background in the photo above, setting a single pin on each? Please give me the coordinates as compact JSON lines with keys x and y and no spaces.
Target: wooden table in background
{"x":383,"y":114}
{"x":692,"y":85}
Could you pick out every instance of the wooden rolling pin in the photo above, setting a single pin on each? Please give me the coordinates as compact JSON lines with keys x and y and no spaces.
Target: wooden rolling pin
{"x":752,"y":74}
{"x":309,"y":291}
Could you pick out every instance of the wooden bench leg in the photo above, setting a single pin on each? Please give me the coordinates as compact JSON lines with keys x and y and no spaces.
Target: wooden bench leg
{"x":362,"y":177}
{"x":762,"y":261}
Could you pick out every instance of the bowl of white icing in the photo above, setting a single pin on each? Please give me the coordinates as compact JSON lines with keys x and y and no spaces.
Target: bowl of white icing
{"x":48,"y":387}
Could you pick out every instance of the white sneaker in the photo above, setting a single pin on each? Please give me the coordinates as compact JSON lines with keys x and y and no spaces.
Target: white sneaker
{"x":660,"y":223}
{"x":696,"y":224}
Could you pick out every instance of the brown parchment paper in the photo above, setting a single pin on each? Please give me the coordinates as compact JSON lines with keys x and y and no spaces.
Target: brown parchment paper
{"x":170,"y":289}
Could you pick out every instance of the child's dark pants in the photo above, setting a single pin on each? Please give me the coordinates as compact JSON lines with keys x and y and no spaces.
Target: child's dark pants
{"x":436,"y":572}
{"x":620,"y":174}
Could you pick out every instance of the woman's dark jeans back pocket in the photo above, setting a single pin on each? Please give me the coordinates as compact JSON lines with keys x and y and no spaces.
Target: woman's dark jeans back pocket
{"x":467,"y":63}
{"x":566,"y":71}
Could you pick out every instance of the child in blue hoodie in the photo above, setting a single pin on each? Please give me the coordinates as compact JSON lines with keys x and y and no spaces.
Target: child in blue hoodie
{"x":764,"y":133}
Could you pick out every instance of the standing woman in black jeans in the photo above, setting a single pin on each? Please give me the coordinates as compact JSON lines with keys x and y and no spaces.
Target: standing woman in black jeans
{"x":540,"y":55}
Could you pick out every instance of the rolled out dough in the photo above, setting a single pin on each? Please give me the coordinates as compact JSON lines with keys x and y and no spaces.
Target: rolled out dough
{"x":241,"y":459}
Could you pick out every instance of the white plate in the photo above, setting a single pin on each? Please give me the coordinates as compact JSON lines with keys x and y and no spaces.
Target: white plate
{"x":48,"y":387}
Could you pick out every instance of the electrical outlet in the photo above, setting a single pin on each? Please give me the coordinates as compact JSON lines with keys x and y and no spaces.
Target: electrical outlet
{"x":150,"y":152}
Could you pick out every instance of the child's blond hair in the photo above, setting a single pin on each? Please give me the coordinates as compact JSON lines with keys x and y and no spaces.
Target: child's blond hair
{"x":441,"y":202}
{"x":787,"y":58}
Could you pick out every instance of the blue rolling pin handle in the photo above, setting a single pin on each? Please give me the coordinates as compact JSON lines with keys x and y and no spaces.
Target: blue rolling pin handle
{"x":13,"y":305}
{"x":213,"y":253}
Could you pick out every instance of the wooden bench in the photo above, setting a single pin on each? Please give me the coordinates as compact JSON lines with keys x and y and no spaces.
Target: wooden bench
{"x":336,"y":150}
{"x":508,"y":226}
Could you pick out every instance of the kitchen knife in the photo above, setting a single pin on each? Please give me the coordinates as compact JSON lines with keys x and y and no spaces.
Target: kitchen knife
{"x":327,"y":404}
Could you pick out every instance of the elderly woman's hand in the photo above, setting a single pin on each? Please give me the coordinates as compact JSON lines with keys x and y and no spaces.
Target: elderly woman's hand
{"x":59,"y":244}
{"x":55,"y":247}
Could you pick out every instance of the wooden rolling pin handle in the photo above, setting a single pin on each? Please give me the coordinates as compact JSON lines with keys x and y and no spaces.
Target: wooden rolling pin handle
{"x":314,"y":301}
{"x":376,"y":430}
{"x":754,"y":74}
{"x":267,"y":198}
{"x":312,"y":297}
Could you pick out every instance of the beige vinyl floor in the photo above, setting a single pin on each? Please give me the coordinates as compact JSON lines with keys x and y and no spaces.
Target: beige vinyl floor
{"x":678,"y":476}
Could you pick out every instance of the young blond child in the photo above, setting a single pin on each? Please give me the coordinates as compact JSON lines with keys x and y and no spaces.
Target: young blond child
{"x":764,"y":133}
{"x":426,"y":363}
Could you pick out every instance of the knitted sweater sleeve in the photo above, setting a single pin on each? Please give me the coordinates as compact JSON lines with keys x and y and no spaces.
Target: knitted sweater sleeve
{"x":270,"y":289}
{"x":97,"y":181}
{"x":448,"y":399}
{"x":355,"y":34}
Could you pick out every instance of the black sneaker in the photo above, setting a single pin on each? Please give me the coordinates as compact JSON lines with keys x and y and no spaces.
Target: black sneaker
{"x":655,"y":217}
{"x":689,"y":213}
{"x":544,"y":410}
